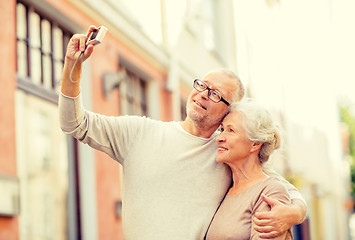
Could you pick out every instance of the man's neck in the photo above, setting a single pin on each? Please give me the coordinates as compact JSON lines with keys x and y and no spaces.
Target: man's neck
{"x":198,"y":130}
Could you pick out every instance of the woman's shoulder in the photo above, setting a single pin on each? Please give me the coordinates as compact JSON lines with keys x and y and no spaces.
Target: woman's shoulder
{"x":273,"y":187}
{"x":274,"y":183}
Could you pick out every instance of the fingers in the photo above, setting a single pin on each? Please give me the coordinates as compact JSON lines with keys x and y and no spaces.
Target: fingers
{"x":272,"y":234}
{"x":82,"y":41}
{"x":261,"y":222}
{"x":90,"y":30}
{"x":88,"y":52}
{"x":265,"y":229}
{"x":263,"y":215}
{"x":77,"y":44}
{"x":270,"y":201}
{"x":73,"y":47}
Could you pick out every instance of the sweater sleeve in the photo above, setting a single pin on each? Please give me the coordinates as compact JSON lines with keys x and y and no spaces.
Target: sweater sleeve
{"x":112,"y":135}
{"x":275,"y":190}
{"x":292,"y":190}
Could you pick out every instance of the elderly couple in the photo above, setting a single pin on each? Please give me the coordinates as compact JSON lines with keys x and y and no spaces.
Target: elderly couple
{"x":202,"y":178}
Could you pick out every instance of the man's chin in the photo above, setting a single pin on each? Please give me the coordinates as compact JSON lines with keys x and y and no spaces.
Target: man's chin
{"x":194,"y":116}
{"x":197,"y":119}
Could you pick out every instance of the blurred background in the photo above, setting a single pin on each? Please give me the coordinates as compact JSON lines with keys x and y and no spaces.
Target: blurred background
{"x":295,"y":57}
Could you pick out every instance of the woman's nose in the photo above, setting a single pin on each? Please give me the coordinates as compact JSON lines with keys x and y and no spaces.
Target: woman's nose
{"x":220,"y":138}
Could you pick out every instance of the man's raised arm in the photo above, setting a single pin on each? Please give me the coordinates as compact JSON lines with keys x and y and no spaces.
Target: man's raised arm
{"x":76,"y":54}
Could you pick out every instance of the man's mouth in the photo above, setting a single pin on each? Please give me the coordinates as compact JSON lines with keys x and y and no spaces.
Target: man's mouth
{"x":200,"y":105}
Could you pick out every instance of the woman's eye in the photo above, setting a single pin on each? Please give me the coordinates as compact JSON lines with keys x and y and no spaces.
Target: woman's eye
{"x":231,"y":130}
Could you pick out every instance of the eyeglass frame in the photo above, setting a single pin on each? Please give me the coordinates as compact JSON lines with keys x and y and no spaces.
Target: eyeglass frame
{"x":209,"y":92}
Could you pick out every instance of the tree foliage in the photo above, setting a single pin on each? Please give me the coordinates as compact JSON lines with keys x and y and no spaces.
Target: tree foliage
{"x":348,"y":118}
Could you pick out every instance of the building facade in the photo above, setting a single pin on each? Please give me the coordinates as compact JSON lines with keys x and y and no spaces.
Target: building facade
{"x":295,"y":65}
{"x":54,"y":186}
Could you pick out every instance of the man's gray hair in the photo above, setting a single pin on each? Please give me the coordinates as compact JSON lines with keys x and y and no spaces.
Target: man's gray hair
{"x":239,"y":93}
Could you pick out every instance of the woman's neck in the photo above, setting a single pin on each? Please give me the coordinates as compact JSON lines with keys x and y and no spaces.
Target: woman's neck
{"x":245,"y":174}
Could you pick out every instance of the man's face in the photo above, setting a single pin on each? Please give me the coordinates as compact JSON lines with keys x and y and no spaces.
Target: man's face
{"x":201,"y":110}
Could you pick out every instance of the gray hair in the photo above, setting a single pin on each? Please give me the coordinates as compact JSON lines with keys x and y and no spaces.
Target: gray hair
{"x":239,"y":93}
{"x":259,"y":126}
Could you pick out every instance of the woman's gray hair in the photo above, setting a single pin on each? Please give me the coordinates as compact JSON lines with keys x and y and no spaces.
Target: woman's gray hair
{"x":259,"y":126}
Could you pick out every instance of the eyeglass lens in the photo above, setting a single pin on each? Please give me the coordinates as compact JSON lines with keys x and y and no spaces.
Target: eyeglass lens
{"x":212,"y":94}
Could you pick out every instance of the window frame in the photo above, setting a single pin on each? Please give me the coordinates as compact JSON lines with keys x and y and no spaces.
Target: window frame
{"x":136,"y":81}
{"x":26,"y":83}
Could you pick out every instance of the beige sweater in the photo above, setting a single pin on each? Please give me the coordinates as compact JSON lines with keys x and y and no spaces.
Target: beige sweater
{"x":234,"y":218}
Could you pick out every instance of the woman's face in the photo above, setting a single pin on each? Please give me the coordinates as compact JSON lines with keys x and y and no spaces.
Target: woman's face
{"x":233,"y":143}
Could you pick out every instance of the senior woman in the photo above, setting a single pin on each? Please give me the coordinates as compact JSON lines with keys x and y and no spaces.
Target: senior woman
{"x":248,"y":137}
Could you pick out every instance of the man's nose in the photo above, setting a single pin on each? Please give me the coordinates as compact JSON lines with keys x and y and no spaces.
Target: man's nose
{"x":204,"y":94}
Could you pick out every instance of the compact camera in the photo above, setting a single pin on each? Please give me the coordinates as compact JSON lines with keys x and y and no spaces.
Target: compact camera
{"x":97,"y":36}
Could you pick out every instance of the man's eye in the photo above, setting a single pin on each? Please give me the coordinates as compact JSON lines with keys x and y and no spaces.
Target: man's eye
{"x":215,"y":94}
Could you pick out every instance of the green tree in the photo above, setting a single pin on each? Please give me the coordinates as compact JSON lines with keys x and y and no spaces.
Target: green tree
{"x":348,"y":118}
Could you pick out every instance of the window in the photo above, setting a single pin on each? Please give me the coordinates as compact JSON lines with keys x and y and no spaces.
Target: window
{"x":41,"y":45}
{"x":133,"y":92}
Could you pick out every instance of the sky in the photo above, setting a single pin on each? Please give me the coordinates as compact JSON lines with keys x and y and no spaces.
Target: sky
{"x":298,"y":58}
{"x":309,"y":42}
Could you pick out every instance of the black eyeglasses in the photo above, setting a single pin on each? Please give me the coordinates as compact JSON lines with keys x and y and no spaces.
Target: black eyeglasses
{"x":214,"y":95}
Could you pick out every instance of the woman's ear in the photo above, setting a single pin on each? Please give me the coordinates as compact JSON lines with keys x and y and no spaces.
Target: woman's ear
{"x":256,"y":147}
